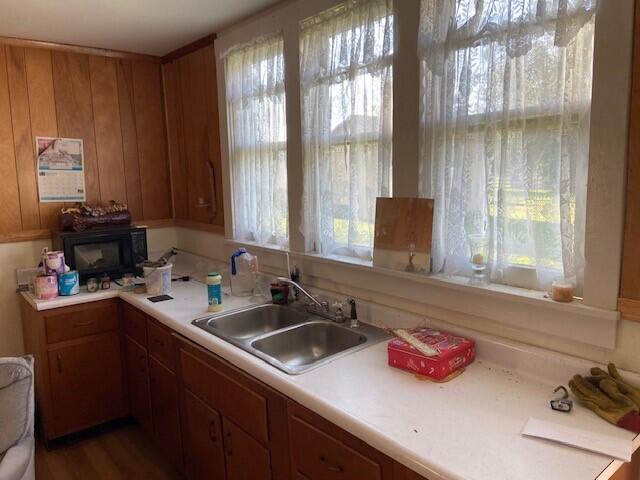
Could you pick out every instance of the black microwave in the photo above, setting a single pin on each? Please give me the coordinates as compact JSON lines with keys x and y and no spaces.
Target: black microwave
{"x":113,"y":251}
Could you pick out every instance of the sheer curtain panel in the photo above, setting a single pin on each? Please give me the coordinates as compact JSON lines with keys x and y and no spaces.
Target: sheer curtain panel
{"x":256,"y":106}
{"x":505,"y":104}
{"x":346,"y":87}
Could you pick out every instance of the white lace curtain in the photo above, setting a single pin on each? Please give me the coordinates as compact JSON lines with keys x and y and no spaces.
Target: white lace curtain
{"x":505,"y":103}
{"x":256,"y":109}
{"x":346,"y":86}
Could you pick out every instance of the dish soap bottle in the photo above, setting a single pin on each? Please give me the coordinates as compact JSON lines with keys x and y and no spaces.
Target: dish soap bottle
{"x":214,"y":291}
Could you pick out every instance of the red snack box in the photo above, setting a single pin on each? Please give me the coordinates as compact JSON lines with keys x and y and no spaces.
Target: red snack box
{"x":455,"y":353}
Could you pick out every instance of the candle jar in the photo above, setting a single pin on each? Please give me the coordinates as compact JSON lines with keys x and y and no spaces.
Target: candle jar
{"x":561,"y":291}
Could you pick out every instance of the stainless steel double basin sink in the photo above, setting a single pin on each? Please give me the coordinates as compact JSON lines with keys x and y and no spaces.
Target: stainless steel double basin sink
{"x":290,"y":338}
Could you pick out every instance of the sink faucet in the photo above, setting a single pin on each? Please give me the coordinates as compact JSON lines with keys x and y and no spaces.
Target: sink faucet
{"x":322,"y":308}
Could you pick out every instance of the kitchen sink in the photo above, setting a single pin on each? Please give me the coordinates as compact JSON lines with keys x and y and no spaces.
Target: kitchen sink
{"x":308,"y":343}
{"x":254,"y":322}
{"x":290,"y":338}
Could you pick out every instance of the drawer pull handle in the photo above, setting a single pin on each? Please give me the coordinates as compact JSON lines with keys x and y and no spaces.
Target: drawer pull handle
{"x":158,"y":342}
{"x":212,"y":431}
{"x":59,"y":359}
{"x":84,"y":324}
{"x":330,"y":467}
{"x":228,"y":443}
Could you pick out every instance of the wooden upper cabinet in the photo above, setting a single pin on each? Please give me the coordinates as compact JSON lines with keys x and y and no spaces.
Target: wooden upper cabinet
{"x":191,"y":104}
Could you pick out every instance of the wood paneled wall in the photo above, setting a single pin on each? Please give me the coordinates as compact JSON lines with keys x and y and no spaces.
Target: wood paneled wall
{"x":114,"y":104}
{"x":193,"y":132}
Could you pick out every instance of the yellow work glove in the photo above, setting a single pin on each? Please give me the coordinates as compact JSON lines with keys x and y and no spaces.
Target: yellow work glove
{"x":607,"y":402}
{"x":625,"y":388}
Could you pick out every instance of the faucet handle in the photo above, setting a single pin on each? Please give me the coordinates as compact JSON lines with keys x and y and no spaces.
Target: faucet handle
{"x":354,"y":313}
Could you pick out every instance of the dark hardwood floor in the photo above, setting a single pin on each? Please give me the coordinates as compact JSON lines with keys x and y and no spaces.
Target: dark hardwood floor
{"x":120,"y":452}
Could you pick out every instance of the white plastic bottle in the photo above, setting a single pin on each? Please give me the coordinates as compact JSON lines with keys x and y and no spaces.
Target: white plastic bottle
{"x":214,"y":291}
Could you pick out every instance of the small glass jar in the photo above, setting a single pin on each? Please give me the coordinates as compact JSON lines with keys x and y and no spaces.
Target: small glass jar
{"x":479,"y":246}
{"x":128,"y":282}
{"x":561,"y":291}
{"x":92,"y":285}
{"x":105,"y":282}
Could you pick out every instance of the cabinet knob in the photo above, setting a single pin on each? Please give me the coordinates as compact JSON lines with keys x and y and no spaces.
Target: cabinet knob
{"x":212,"y":431}
{"x":59,"y":361}
{"x":331,"y":467}
{"x":229,"y":444}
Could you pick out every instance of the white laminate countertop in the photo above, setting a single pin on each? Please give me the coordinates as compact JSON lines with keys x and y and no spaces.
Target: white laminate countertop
{"x":469,"y":428}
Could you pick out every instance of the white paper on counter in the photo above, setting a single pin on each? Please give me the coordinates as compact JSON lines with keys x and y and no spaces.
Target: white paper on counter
{"x":584,"y":439}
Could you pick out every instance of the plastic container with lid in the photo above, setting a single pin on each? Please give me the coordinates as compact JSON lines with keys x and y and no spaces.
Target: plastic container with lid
{"x":214,"y":291}
{"x":243,"y":273}
{"x":158,"y":279}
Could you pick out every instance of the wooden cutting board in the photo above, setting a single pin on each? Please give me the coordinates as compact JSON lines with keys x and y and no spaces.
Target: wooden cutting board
{"x":400,"y":223}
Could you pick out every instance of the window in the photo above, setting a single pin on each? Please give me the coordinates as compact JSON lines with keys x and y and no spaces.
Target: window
{"x":346,"y":58}
{"x":256,"y":110}
{"x":505,"y":104}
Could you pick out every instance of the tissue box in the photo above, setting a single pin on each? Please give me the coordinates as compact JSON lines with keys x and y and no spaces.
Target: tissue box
{"x":455,"y":352}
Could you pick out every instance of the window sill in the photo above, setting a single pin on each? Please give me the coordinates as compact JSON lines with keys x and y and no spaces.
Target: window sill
{"x":441,"y":295}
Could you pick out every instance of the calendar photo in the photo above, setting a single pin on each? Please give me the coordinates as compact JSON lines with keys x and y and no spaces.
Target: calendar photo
{"x":60,"y":164}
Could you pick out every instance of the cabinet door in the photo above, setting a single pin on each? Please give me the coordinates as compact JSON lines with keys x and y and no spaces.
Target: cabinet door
{"x":246,"y":458}
{"x":138,"y":378}
{"x":204,"y":451}
{"x":400,"y":472}
{"x":87,"y":384}
{"x":164,"y":410}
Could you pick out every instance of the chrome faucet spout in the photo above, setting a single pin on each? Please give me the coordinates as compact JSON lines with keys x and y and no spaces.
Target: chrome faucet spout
{"x":288,"y":281}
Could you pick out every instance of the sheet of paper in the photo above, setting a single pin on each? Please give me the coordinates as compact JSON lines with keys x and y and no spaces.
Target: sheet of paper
{"x":574,"y":437}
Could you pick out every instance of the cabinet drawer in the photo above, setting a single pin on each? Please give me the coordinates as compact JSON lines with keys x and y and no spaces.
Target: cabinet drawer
{"x":318,"y":456}
{"x":244,"y":407}
{"x":82,"y":320}
{"x":135,"y":324}
{"x":160,"y":344}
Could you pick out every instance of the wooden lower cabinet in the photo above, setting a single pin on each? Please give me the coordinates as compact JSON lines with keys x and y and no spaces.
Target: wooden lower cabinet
{"x":400,"y":472}
{"x":204,"y":455}
{"x":87,"y":384}
{"x":211,"y":419}
{"x":246,"y":459}
{"x":322,"y":451}
{"x":164,"y":408}
{"x":152,"y":381}
{"x":137,"y":364}
{"x":79,"y":374}
{"x":254,"y":443}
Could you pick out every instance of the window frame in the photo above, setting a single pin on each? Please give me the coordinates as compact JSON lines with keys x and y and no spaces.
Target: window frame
{"x":519,"y":308}
{"x":221,"y":59}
